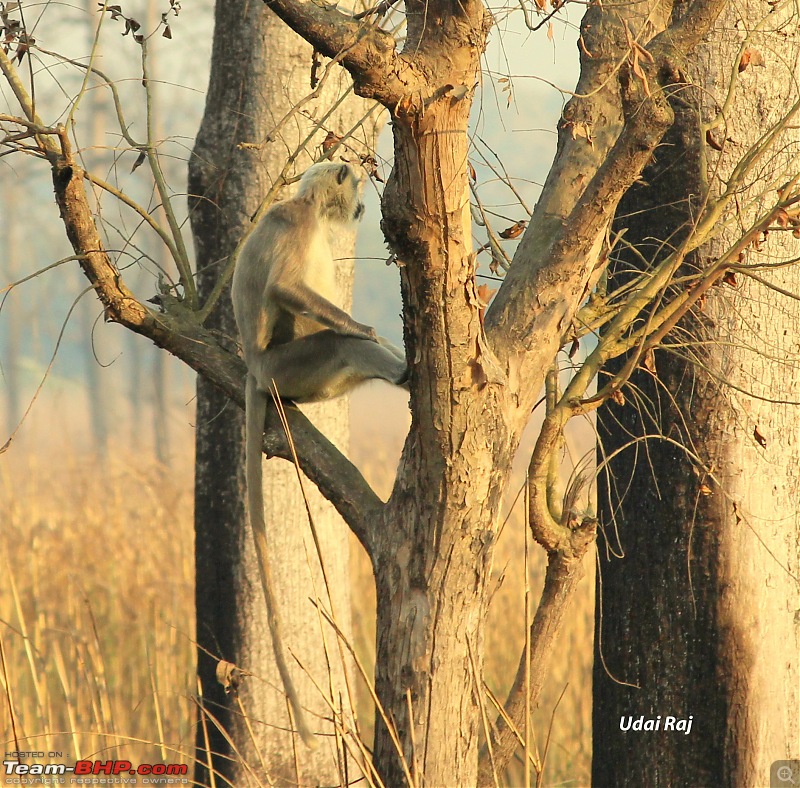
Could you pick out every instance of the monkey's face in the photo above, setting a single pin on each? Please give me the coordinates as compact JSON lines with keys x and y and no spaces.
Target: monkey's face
{"x":334,"y":188}
{"x":349,"y":181}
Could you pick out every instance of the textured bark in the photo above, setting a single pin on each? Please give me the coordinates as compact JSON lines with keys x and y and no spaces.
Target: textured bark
{"x":260,"y":70}
{"x":696,"y":617}
{"x":471,"y":392}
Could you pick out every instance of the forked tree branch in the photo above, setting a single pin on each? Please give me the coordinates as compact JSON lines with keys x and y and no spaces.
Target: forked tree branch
{"x":366,"y":51}
{"x":541,"y":294}
{"x":566,"y":542}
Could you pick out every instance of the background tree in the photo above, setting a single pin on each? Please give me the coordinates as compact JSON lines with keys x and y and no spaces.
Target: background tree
{"x":703,"y":524}
{"x":263,"y":101}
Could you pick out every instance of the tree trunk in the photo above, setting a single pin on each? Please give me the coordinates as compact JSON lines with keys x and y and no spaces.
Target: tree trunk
{"x":433,"y":555}
{"x":260,"y":70}
{"x":697,"y":585}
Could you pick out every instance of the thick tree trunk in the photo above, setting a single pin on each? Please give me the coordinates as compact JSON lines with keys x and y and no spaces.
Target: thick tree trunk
{"x":260,"y":70}
{"x":433,"y":557}
{"x":697,"y":581}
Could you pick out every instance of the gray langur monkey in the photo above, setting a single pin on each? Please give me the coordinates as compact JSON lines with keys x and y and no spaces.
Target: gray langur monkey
{"x":297,"y":344}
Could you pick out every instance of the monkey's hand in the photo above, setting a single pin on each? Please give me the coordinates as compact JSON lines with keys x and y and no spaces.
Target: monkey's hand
{"x":370,"y":333}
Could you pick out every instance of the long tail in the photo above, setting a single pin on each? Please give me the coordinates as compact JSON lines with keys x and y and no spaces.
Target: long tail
{"x":256,"y":411}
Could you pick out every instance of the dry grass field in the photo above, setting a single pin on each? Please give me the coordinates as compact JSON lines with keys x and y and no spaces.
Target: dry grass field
{"x":96,"y":609}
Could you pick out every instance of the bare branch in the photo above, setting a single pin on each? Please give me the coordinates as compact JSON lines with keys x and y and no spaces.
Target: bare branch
{"x":564,"y":572}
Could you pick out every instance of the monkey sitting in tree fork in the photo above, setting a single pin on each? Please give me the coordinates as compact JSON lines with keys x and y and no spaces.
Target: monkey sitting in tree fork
{"x":297,"y":344}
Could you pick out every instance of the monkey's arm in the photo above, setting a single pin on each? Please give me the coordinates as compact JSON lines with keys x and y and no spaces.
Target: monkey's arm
{"x":300,"y":299}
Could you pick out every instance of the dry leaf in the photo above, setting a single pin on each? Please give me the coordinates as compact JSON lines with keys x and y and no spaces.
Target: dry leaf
{"x":745,"y":60}
{"x":705,"y":489}
{"x":750,"y":57}
{"x":573,"y":348}
{"x":228,"y":675}
{"x":649,"y":361}
{"x":618,"y":397}
{"x":370,"y":164}
{"x":759,"y":438}
{"x":514,"y":231}
{"x":140,"y":159}
{"x":330,"y":141}
{"x":581,"y":130}
{"x":730,"y":278}
{"x":485,"y":295}
{"x":711,"y":141}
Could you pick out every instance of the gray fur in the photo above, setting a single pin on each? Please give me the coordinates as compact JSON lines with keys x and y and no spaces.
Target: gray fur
{"x":284,"y":280}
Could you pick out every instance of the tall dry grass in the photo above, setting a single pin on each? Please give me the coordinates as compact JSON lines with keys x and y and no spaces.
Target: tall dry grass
{"x":97,"y":611}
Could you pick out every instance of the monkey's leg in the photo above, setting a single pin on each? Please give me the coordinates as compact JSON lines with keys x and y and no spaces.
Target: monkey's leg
{"x":325,"y":365}
{"x":395,"y":351}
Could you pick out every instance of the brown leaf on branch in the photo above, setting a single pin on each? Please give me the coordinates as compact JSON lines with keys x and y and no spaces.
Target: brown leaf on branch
{"x":750,"y":57}
{"x":228,"y":675}
{"x":759,"y":438}
{"x":485,"y":295}
{"x":140,"y":160}
{"x":370,"y":164}
{"x":712,"y":142}
{"x":637,"y":54}
{"x":637,"y":69}
{"x":573,"y":348}
{"x":581,"y":130}
{"x":331,"y":140}
{"x":649,"y":361}
{"x":514,"y":231}
{"x":730,"y":279}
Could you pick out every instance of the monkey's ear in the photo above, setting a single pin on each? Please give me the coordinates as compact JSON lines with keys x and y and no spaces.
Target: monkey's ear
{"x":341,"y":176}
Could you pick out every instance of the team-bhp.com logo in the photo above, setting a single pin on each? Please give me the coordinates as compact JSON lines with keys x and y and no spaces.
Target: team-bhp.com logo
{"x":86,"y":772}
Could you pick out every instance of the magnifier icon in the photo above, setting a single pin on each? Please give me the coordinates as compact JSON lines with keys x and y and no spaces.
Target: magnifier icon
{"x":785,"y":774}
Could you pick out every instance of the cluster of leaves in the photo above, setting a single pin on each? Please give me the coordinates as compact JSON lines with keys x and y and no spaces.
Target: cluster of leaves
{"x":133,"y":26}
{"x":12,"y":31}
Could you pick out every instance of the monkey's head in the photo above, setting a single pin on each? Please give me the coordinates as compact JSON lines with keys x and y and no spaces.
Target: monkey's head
{"x":333,"y":188}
